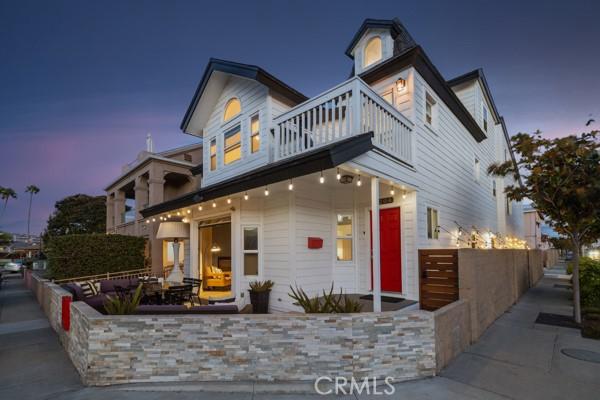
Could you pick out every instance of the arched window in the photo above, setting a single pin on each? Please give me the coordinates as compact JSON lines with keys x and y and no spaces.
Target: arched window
{"x":372,"y":51}
{"x":232,"y":109}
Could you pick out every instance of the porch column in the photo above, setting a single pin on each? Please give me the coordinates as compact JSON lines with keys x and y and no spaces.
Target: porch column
{"x":110,"y":208}
{"x":119,"y":207}
{"x":193,"y":243}
{"x":376,"y":244}
{"x":141,"y":201}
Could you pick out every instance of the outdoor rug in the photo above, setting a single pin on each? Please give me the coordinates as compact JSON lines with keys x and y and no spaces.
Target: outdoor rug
{"x":386,"y":299}
{"x":565,"y":321}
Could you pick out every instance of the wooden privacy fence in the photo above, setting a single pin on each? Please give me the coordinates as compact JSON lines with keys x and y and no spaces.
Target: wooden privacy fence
{"x":438,"y":278}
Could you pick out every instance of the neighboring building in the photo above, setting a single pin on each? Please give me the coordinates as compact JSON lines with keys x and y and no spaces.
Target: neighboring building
{"x":22,"y":246}
{"x":532,"y":228}
{"x":289,"y":183}
{"x":149,"y":180}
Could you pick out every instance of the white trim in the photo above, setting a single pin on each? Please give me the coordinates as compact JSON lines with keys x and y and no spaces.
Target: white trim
{"x":258,"y":251}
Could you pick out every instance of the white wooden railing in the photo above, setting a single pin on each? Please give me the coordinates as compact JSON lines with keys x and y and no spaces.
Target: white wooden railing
{"x":348,"y":109}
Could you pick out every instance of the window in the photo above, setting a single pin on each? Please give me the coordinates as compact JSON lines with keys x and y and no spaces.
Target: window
{"x":432,"y":223}
{"x":389,"y":96}
{"x":485,"y":119}
{"x":232,"y":109}
{"x":213,"y":154}
{"x":429,"y":109}
{"x":254,"y":134}
{"x":250,"y":249}
{"x":476,"y":169}
{"x":372,"y":51}
{"x":494,"y":188}
{"x":508,"y":206}
{"x":233,"y":147}
{"x":343,"y":242}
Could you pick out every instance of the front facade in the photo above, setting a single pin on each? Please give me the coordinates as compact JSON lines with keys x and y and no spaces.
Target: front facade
{"x":150,"y":179}
{"x":289,"y":184}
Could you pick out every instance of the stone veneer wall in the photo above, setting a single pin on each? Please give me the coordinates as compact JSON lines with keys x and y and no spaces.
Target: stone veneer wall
{"x":277,"y":347}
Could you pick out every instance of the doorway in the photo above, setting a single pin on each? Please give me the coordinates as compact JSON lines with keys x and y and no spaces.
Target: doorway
{"x":389,"y":250}
{"x":214,"y":252}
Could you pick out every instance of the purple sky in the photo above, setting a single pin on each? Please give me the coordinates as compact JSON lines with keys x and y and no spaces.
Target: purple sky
{"x":81,"y":83}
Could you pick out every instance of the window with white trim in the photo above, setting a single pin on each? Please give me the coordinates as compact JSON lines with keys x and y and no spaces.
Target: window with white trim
{"x":389,"y":96}
{"x":344,"y":237}
{"x":254,"y":134}
{"x":476,"y":169}
{"x":232,"y":109}
{"x":250,"y":250}
{"x":213,"y":154}
{"x":233,"y":145}
{"x":430,"y":110}
{"x":373,"y":51}
{"x":432,"y":223}
{"x":485,"y":119}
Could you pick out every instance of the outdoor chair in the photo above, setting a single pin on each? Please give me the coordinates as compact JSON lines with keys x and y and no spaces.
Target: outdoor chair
{"x":196,"y":284}
{"x":179,"y":294}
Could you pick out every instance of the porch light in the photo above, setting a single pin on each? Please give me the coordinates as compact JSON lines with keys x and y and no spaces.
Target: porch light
{"x":358,"y":182}
{"x":403,"y":195}
{"x":321,"y":178}
{"x":400,"y":84}
{"x":189,"y":211}
{"x":266,"y":191}
{"x":291,"y":185}
{"x":178,"y":213}
{"x":338,"y":176}
{"x":147,"y":221}
{"x":392,"y":192}
{"x":214,"y":204}
{"x":228,"y":201}
{"x":246,"y":196}
{"x":153,"y":219}
{"x":199,"y":208}
{"x":168,"y":215}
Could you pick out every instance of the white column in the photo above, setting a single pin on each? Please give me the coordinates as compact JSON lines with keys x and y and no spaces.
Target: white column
{"x":193,"y":243}
{"x":376,"y":244}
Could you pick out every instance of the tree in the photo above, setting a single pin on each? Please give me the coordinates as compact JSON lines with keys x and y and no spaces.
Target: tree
{"x":31,"y":189}
{"x":5,"y":195}
{"x":77,"y":214}
{"x":5,"y":238}
{"x":562,"y":179}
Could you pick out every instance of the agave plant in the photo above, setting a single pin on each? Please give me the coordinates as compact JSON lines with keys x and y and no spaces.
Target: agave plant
{"x":115,"y":305}
{"x":328,"y":303}
{"x":261,"y":286}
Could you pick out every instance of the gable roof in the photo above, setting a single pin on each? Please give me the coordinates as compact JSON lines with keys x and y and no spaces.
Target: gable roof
{"x":245,"y":71}
{"x":477,"y":75}
{"x":402,"y":39}
{"x":416,"y":57}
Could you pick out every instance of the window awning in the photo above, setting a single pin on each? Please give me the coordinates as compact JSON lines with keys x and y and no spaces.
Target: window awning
{"x":310,"y":162}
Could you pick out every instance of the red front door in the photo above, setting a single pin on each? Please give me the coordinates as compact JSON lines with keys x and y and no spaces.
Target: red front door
{"x":389,"y":250}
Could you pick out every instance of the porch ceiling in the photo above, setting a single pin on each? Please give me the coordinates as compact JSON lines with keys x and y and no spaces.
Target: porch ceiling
{"x":310,"y":162}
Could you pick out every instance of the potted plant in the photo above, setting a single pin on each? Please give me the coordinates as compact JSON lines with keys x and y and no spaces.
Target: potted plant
{"x":259,"y":296}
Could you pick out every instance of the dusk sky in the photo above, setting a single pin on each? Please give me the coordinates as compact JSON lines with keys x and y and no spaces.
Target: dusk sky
{"x":82,"y":82}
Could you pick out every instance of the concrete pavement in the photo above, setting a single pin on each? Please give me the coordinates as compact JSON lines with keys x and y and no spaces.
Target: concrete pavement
{"x":515,"y":358}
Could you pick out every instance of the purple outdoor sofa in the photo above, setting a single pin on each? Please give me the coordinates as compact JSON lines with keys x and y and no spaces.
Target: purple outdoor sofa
{"x":107,"y":288}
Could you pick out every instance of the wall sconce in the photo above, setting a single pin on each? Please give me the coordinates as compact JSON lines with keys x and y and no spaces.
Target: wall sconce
{"x":400,"y":84}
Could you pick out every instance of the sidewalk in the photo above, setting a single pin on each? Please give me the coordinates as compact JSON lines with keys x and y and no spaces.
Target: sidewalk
{"x":515,"y":358}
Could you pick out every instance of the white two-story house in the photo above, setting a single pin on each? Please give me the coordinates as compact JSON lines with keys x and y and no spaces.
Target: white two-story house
{"x":289,"y":184}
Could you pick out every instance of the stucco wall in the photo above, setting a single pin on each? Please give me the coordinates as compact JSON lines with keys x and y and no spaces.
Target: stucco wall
{"x":110,"y":350}
{"x":493,"y":280}
{"x":550,"y":258}
{"x":452,"y":332}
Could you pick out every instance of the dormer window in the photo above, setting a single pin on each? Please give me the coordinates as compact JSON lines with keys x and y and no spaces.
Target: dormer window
{"x":232,"y":109}
{"x":373,"y":51}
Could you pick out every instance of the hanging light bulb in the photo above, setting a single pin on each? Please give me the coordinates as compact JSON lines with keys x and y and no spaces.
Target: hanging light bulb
{"x":153,"y":219}
{"x":359,"y":182}
{"x":168,"y":215}
{"x":246,"y":196}
{"x":266,"y":190}
{"x":147,"y":221}
{"x":214,"y":204}
{"x":178,"y":213}
{"x":189,"y":211}
{"x":338,"y":176}
{"x":199,"y":208}
{"x":403,"y":195}
{"x":291,"y":185}
{"x":228,"y":201}
{"x":392,"y":191}
{"x":321,"y":178}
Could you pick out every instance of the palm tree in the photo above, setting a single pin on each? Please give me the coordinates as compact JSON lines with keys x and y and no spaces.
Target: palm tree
{"x":31,"y":189}
{"x":5,"y":195}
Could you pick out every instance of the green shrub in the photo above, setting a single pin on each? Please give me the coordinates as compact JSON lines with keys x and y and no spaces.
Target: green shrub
{"x":584,"y":262}
{"x":589,"y":282}
{"x":71,"y":256}
{"x":115,"y":305}
{"x":261,"y":286}
{"x":328,"y":303}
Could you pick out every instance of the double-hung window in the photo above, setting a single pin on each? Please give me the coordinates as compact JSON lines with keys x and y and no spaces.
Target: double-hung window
{"x":233,"y":145}
{"x":213,"y":154}
{"x":254,"y":134}
{"x":250,"y":250}
{"x":344,"y":236}
{"x":485,"y":119}
{"x":430,"y":110}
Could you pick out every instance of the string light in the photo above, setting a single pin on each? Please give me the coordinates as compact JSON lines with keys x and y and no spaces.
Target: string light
{"x":358,"y":182}
{"x":214,"y":204}
{"x":321,"y":178}
{"x":404,"y":195}
{"x":147,"y":221}
{"x":246,"y":196}
{"x":266,"y":190}
{"x":178,"y":213}
{"x":338,"y":176}
{"x":153,"y":219}
{"x":189,"y":211}
{"x":228,"y":201}
{"x":392,"y":191}
{"x":291,"y":185}
{"x":168,"y":215}
{"x":199,"y":208}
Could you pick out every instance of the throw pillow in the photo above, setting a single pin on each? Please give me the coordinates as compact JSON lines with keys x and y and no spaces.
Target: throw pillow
{"x":89,"y":289}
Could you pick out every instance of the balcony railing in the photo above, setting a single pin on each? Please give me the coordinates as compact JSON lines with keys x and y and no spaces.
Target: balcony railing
{"x":348,"y":109}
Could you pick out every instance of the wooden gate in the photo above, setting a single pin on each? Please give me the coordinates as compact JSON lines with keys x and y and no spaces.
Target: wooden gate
{"x":438,"y":278}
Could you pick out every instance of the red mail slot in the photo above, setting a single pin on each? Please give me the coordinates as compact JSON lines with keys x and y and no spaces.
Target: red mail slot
{"x":315,"y":243}
{"x":66,"y":313}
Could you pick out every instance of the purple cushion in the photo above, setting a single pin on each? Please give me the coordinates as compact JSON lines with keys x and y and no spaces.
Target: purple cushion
{"x":96,"y":302}
{"x":75,"y":290}
{"x":108,"y":285}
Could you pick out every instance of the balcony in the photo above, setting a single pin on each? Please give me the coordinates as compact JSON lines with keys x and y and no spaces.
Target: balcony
{"x":348,"y":109}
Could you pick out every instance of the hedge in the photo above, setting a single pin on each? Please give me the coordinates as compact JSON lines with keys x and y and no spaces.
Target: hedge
{"x":589,"y":282}
{"x":71,"y":256}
